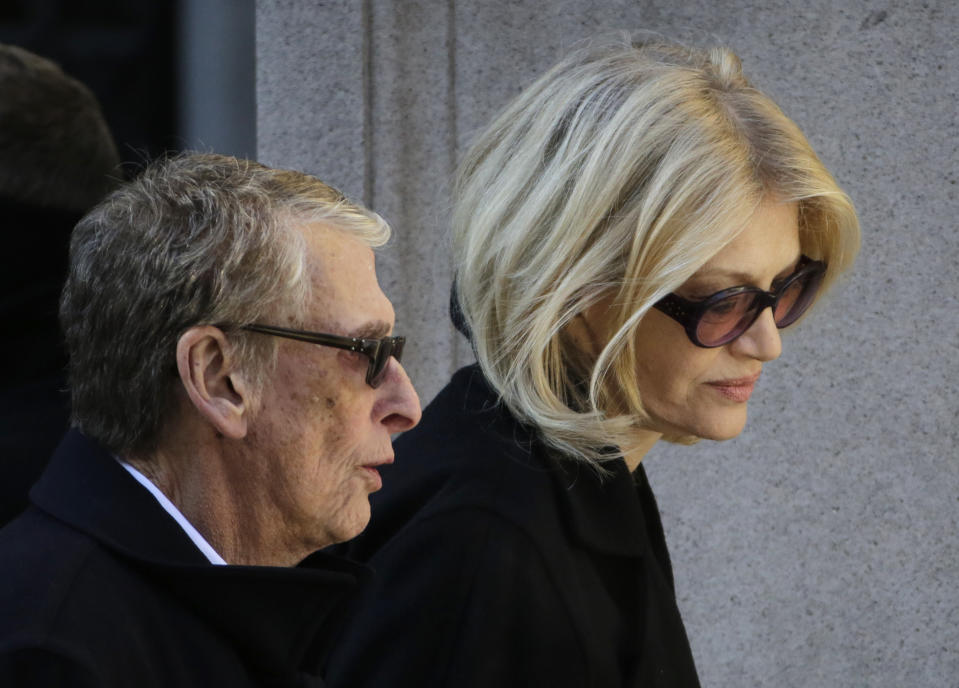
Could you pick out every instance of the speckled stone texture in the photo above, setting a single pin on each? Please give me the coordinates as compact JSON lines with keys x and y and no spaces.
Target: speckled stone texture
{"x":820,"y":548}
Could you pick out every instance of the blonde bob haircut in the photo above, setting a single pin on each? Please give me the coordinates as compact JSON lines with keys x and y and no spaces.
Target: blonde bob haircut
{"x":620,"y":172}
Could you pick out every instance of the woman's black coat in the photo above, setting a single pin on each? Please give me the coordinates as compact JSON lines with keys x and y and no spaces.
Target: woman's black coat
{"x":497,"y":565}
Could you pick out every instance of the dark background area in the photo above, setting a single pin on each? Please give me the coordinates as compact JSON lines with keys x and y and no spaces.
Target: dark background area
{"x":124,"y":50}
{"x":169,"y":74}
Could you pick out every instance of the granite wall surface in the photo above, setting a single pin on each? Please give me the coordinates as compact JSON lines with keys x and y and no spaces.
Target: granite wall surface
{"x":820,"y":548}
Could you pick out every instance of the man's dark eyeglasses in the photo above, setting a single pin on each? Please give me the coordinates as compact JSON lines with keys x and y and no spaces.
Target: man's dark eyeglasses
{"x":722,"y":317}
{"x":378,"y":350}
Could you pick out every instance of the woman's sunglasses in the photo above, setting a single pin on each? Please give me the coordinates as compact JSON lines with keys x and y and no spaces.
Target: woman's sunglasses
{"x":720,"y":318}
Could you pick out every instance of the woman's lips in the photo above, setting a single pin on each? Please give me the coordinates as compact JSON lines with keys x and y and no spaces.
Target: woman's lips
{"x":738,"y":390}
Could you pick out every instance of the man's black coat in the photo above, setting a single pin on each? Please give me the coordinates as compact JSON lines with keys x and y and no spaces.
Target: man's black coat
{"x":100,"y":587}
{"x":497,"y":565}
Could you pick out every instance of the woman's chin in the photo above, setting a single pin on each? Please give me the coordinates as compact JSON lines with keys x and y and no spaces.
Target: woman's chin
{"x":720,"y":430}
{"x":725,"y":431}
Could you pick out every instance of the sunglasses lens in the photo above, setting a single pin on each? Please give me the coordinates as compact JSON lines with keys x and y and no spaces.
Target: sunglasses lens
{"x":726,"y":319}
{"x":720,"y":318}
{"x":389,"y":347}
{"x":796,"y":298}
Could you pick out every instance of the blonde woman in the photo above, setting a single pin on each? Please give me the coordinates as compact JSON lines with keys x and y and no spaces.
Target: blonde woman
{"x":630,"y":235}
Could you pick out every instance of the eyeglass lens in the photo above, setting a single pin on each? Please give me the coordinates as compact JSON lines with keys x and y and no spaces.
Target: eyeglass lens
{"x":388,"y":347}
{"x":730,"y":317}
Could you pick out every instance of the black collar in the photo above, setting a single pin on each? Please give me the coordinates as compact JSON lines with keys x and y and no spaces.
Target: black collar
{"x":279,"y":618}
{"x":602,"y":512}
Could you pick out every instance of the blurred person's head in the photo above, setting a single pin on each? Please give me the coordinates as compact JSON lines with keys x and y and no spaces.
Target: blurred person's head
{"x":57,"y":159}
{"x":55,"y":148}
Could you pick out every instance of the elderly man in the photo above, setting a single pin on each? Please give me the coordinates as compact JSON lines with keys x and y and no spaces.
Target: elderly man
{"x":234,"y":385}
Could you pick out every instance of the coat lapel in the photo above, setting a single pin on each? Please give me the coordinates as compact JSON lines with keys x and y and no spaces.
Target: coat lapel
{"x":278,"y":618}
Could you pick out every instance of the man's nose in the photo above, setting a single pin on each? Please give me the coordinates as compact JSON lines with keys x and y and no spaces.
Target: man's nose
{"x":399,"y":407}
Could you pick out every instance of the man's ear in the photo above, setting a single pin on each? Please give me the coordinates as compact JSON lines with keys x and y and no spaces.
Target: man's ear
{"x":209,"y":375}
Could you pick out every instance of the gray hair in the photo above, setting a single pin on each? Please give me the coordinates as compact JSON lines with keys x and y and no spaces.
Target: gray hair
{"x":619,"y":173}
{"x":196,"y":239}
{"x":55,"y":147}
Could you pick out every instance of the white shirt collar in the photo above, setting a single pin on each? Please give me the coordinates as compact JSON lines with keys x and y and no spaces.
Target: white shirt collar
{"x":171,"y":509}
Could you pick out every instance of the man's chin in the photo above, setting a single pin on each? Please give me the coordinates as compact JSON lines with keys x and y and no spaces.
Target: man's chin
{"x":357,"y":522}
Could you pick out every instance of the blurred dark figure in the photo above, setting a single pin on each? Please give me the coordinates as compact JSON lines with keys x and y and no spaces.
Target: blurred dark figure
{"x":57,"y":159}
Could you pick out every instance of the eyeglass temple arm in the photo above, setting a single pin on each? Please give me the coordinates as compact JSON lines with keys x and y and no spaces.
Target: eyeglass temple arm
{"x":339,"y":342}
